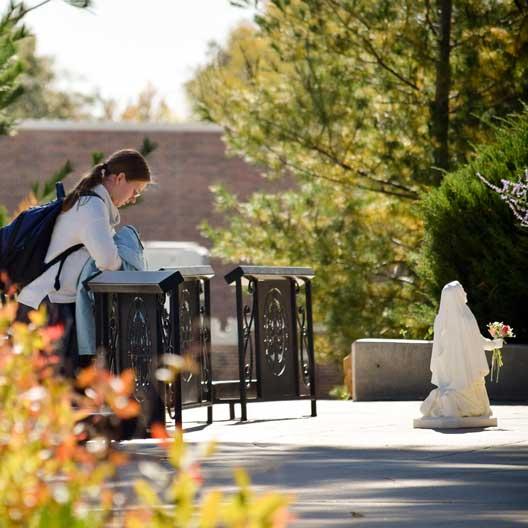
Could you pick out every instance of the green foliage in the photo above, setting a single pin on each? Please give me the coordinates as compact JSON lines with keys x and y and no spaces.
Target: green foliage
{"x":46,"y":191}
{"x":340,"y":392}
{"x":55,"y":466}
{"x":97,"y":157}
{"x":4,"y":215}
{"x":472,"y":236}
{"x":348,"y":238}
{"x":26,"y":80}
{"x":11,"y":33}
{"x":177,"y":502}
{"x":18,"y":64}
{"x":344,"y":90}
{"x":48,"y":476}
{"x":148,"y":146}
{"x":343,"y":97}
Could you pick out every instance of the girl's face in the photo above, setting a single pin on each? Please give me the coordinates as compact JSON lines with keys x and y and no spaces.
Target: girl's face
{"x":122,"y":191}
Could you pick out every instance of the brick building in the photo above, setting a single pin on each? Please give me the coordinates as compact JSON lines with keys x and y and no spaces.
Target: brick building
{"x":188,"y":160}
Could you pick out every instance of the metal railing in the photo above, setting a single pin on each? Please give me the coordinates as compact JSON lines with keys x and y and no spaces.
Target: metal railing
{"x":143,"y":315}
{"x":275,"y":335}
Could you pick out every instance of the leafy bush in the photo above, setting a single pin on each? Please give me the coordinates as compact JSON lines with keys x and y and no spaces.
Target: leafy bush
{"x":472,"y":236}
{"x":48,"y":476}
{"x":55,"y":465}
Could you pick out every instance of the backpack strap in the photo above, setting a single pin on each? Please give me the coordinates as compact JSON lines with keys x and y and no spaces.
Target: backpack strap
{"x":91,"y":193}
{"x":61,"y":257}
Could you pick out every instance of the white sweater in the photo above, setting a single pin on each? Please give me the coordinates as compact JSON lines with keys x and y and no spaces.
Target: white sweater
{"x":90,"y":222}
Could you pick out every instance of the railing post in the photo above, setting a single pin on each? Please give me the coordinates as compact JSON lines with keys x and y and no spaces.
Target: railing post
{"x":207,"y":350}
{"x":175,"y":328}
{"x":311,"y":355}
{"x":241,"y":357}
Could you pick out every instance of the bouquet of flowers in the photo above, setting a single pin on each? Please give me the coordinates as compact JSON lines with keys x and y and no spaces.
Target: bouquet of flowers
{"x":498,"y":330}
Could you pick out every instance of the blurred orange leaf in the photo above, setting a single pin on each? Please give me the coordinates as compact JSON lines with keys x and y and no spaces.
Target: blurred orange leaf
{"x":158,"y":431}
{"x":131,"y":409}
{"x":128,"y":379}
{"x":86,"y":377}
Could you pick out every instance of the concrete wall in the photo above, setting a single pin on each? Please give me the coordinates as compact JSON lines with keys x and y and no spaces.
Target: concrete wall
{"x":386,"y":369}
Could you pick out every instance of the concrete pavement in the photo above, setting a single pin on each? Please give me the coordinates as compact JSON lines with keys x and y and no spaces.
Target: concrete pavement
{"x":361,"y":464}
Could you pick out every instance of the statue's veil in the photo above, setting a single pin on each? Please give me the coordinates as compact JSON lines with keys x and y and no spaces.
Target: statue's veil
{"x":458,"y":357}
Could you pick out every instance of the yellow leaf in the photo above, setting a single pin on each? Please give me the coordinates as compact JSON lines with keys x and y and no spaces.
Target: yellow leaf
{"x":146,"y":493}
{"x":209,"y":448}
{"x":242,"y":478}
{"x":30,"y":200}
{"x":177,"y":449}
{"x":39,"y":317}
{"x":210,"y":509}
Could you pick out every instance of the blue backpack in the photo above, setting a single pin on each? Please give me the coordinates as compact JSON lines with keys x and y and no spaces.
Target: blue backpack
{"x":25,"y":241}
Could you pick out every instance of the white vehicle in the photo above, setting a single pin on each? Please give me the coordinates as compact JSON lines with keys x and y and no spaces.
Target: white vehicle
{"x":170,"y":254}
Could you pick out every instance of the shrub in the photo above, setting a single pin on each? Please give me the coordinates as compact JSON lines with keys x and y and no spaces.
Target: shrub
{"x":472,"y":236}
{"x":55,"y":466}
{"x":48,"y":476}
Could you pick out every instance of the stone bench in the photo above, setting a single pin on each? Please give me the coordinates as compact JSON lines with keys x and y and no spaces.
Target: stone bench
{"x":398,"y":369}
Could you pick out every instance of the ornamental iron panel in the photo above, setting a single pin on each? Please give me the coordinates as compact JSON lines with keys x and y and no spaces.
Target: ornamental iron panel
{"x":113,"y":336}
{"x":275,"y":332}
{"x":249,"y":311}
{"x":190,"y":340}
{"x":275,"y":335}
{"x":167,"y":343}
{"x":140,"y":347}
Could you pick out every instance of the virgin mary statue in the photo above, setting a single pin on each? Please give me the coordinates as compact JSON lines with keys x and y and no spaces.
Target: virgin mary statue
{"x":458,"y":366}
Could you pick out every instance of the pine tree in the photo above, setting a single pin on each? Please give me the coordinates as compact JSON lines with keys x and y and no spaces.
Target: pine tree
{"x":366,"y":104}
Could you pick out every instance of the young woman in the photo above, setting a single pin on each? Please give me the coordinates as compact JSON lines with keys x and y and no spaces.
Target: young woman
{"x":87,"y":219}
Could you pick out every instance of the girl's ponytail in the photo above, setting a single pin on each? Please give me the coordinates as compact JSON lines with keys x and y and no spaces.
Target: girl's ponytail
{"x":93,"y":178}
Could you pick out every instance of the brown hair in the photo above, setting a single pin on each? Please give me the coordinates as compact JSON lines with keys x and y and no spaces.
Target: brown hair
{"x":129,"y":161}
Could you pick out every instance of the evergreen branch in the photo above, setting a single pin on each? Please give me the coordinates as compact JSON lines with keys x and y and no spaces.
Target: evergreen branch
{"x":402,"y":191}
{"x":317,"y":176}
{"x":428,"y":18}
{"x":479,"y":93}
{"x":409,"y":193}
{"x":32,"y":8}
{"x":386,"y":67}
{"x":371,"y":48}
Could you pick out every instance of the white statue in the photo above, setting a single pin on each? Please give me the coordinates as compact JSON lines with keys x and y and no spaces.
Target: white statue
{"x":458,"y":365}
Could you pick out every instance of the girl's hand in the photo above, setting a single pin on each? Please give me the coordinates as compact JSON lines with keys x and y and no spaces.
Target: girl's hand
{"x":498,"y":343}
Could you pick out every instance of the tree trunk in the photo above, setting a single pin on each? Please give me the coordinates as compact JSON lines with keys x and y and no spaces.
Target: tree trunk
{"x":440,"y":108}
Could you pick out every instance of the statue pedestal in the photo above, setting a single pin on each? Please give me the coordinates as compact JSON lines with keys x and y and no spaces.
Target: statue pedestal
{"x":454,"y":422}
